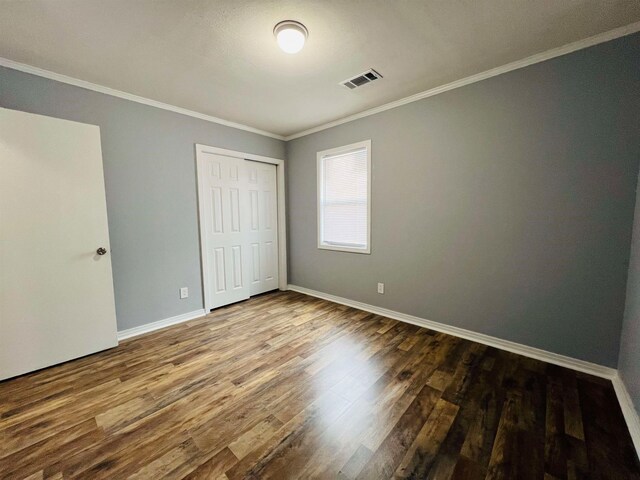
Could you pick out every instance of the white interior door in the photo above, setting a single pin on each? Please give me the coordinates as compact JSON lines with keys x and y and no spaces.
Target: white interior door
{"x":222,"y":186}
{"x":263,"y":227}
{"x":56,"y":292}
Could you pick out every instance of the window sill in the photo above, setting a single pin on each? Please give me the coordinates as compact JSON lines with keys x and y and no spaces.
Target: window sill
{"x":337,"y":248}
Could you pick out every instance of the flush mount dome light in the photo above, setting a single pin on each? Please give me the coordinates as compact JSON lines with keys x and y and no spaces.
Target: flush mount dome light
{"x":291,"y":35}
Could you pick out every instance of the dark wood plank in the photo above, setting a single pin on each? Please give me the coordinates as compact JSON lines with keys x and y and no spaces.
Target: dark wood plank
{"x":388,"y":455}
{"x":289,"y":386}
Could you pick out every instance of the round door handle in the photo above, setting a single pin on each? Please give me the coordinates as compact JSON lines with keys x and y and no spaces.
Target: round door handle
{"x":101,"y":251}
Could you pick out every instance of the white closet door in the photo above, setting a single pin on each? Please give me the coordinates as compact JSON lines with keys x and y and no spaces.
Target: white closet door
{"x":223,"y":214}
{"x":56,"y":287}
{"x":263,"y":227}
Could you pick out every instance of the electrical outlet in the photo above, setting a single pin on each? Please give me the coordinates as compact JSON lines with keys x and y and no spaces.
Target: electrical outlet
{"x":184,"y":292}
{"x":380,"y":287}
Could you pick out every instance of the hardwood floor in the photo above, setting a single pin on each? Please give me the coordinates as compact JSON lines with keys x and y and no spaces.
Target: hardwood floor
{"x":289,"y":386}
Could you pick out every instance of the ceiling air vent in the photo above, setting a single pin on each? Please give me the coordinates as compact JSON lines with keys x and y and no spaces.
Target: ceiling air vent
{"x":362,"y":79}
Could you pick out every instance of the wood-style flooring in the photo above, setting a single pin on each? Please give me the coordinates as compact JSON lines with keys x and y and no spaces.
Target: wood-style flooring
{"x":288,"y":386}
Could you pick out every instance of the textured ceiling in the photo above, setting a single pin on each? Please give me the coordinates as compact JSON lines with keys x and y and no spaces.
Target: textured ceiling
{"x":219,"y":57}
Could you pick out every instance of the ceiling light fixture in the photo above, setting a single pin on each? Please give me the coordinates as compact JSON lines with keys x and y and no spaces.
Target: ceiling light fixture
{"x":291,"y":35}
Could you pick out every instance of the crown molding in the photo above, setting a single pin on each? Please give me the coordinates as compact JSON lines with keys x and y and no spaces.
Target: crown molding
{"x":23,"y":67}
{"x":537,"y":58}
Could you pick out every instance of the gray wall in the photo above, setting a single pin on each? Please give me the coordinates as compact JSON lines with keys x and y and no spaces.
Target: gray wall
{"x":150,"y":178}
{"x":504,"y":207}
{"x":629,"y":361}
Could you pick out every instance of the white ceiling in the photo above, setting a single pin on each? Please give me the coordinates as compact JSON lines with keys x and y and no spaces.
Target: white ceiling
{"x":219,"y":57}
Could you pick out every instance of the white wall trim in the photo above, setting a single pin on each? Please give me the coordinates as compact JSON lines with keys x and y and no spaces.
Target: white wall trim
{"x":531,"y":352}
{"x":23,"y":67}
{"x":628,"y":410}
{"x":537,"y":58}
{"x":167,"y":322}
{"x":626,"y":404}
{"x":236,"y":154}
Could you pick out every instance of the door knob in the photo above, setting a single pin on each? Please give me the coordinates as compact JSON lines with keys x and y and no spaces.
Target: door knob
{"x":101,"y":251}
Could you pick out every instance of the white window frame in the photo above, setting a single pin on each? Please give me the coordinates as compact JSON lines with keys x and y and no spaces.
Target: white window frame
{"x":335,"y":151}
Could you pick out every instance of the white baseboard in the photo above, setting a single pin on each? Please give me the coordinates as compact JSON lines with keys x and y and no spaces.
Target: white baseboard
{"x":167,"y":322}
{"x":538,"y":354}
{"x":628,"y":410}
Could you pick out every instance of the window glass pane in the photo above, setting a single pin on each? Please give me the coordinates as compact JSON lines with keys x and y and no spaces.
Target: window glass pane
{"x":344,"y":199}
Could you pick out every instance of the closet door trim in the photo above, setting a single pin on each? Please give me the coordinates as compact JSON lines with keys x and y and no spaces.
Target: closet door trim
{"x":202,"y":150}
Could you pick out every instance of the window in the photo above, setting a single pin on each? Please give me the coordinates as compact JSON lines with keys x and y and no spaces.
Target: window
{"x":344,"y":198}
